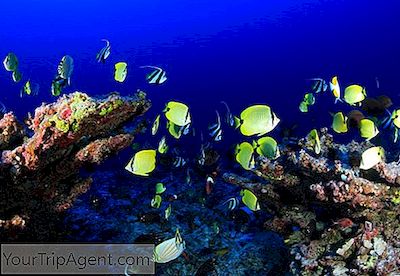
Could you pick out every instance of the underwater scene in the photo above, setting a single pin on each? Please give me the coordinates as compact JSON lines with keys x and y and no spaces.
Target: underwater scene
{"x":236,"y":137}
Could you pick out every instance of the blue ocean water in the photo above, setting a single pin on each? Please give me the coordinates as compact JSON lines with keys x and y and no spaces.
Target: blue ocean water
{"x":242,"y":52}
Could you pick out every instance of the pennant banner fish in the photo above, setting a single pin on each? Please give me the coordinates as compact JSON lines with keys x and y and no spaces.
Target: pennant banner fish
{"x":162,"y":146}
{"x":158,"y":76}
{"x":3,"y":109}
{"x":179,"y":162}
{"x":168,"y":212}
{"x":155,"y":126}
{"x":215,"y":129}
{"x":319,"y":85}
{"x":230,"y":120}
{"x":232,"y":203}
{"x":104,"y":52}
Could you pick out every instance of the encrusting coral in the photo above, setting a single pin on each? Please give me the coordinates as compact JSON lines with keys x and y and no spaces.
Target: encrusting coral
{"x":43,"y":171}
{"x":336,"y":218}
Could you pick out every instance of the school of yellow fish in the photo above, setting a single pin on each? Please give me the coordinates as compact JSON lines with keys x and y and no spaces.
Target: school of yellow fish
{"x":254,"y":121}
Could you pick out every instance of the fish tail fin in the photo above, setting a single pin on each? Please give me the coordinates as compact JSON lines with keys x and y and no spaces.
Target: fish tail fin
{"x":338,"y":100}
{"x":238,"y":122}
{"x":387,"y":122}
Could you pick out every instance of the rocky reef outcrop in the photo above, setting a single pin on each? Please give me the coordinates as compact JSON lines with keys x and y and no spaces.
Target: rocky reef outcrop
{"x":40,"y":173}
{"x":336,"y":218}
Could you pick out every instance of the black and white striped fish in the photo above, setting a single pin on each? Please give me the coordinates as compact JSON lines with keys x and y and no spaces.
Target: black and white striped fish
{"x":3,"y":109}
{"x":104,"y":52}
{"x":232,"y":203}
{"x":215,"y":129}
{"x":319,"y":85}
{"x":230,"y":120}
{"x":158,"y":76}
{"x":179,"y":162}
{"x":202,"y":158}
{"x":65,"y":68}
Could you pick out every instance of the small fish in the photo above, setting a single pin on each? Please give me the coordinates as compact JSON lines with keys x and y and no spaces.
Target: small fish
{"x":160,"y":188}
{"x":168,"y":212}
{"x":162,"y":146}
{"x":174,"y":130}
{"x":368,"y":129}
{"x":156,"y":125}
{"x":158,"y":76}
{"x":339,"y":124}
{"x":121,"y":71}
{"x":188,"y":177}
{"x":371,"y":157}
{"x":319,"y":85}
{"x":245,"y":155}
{"x":303,"y":107}
{"x":104,"y":52}
{"x":250,"y":200}
{"x":143,"y":163}
{"x":215,"y":129}
{"x":156,"y":201}
{"x":65,"y":68}
{"x":313,"y":137}
{"x":16,"y":76}
{"x":230,"y":120}
{"x":202,"y":158}
{"x":267,"y":147}
{"x":29,"y":89}
{"x":209,"y":185}
{"x":335,"y":88}
{"x":377,"y":83}
{"x":344,"y":223}
{"x":256,"y":120}
{"x":232,"y":203}
{"x":3,"y":109}
{"x":170,"y":249}
{"x":11,"y":62}
{"x":309,"y":99}
{"x":354,"y":94}
{"x":177,"y":113}
{"x":58,"y":85}
{"x":179,"y":162}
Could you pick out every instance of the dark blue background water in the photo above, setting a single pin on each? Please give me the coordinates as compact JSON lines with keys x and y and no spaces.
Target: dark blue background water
{"x":241,"y":51}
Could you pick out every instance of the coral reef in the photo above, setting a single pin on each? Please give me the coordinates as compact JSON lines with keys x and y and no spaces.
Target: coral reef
{"x":42,"y":173}
{"x":336,"y":218}
{"x":11,"y":131}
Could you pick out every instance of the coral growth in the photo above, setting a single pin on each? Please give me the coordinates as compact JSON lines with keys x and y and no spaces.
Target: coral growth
{"x":336,"y":218}
{"x":75,"y":131}
{"x":11,"y":131}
